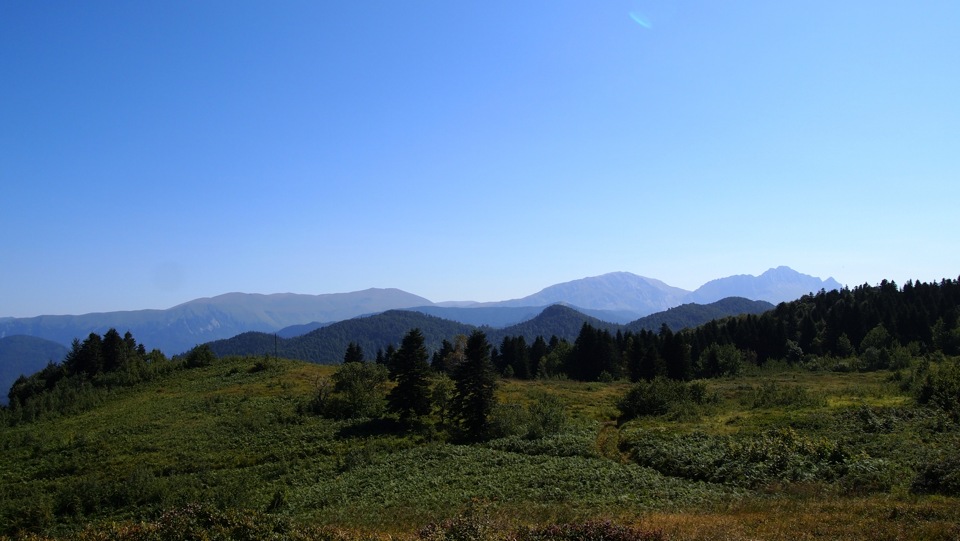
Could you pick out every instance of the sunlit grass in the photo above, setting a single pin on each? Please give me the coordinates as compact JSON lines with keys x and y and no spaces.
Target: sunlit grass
{"x":232,"y":434}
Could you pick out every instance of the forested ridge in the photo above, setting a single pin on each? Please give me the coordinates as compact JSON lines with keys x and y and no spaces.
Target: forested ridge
{"x":865,"y":328}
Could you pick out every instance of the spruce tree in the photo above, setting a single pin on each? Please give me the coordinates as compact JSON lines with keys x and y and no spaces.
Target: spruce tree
{"x":354,"y":353}
{"x":411,"y":397}
{"x":474,"y":382}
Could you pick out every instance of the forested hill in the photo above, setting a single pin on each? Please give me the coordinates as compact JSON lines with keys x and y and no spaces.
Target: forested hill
{"x":328,"y":344}
{"x":557,"y":320}
{"x":842,"y":322}
{"x":692,"y":315}
{"x":867,"y":328}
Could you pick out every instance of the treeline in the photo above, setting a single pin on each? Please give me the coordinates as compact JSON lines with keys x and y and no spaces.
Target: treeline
{"x":88,"y":372}
{"x":866,"y":328}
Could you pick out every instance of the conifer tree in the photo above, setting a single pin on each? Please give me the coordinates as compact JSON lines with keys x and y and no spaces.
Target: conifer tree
{"x":354,"y":353}
{"x":474,"y":383}
{"x":411,"y":397}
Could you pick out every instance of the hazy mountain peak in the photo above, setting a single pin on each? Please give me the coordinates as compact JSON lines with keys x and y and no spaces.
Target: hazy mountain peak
{"x":775,"y":285}
{"x":617,"y":291}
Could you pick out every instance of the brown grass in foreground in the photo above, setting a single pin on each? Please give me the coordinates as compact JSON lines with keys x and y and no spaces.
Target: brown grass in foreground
{"x":874,"y":519}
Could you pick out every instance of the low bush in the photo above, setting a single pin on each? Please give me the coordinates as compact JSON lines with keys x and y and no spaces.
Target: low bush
{"x":773,"y":395}
{"x":659,"y":396}
{"x":780,"y":455}
{"x":941,"y":476}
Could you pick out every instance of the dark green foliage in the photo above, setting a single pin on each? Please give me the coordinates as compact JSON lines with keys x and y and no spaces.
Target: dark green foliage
{"x":545,"y":416}
{"x":89,"y":370}
{"x":328,"y":344}
{"x":356,"y":390}
{"x":410,"y":398}
{"x":945,"y":338}
{"x":691,"y":315}
{"x":773,"y":395}
{"x":658,"y":397}
{"x":941,"y":476}
{"x":548,"y":416}
{"x":555,"y":320}
{"x":515,"y":356}
{"x":940,"y":388}
{"x":354,"y":353}
{"x":200,"y":356}
{"x":780,"y":455}
{"x":720,"y":360}
{"x":474,"y":384}
{"x":594,"y":352}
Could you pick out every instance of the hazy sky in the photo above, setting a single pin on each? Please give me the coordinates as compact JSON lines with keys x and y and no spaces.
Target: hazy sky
{"x":155,"y":152}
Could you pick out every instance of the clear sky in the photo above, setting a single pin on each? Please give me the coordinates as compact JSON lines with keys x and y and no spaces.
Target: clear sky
{"x":156,"y":152}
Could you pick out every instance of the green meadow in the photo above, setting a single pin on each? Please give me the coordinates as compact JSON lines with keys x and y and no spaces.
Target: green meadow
{"x":229,"y":451}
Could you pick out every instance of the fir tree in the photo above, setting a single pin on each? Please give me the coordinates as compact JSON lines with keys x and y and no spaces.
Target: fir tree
{"x":411,"y":397}
{"x":474,"y":383}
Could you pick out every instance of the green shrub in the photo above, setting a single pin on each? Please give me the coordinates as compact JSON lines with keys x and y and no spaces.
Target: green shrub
{"x":780,"y":455}
{"x":773,"y":395}
{"x":941,"y":388}
{"x":939,"y":477}
{"x":355,"y":391}
{"x":547,"y":416}
{"x":200,"y":356}
{"x":659,"y":396}
{"x":508,"y":420}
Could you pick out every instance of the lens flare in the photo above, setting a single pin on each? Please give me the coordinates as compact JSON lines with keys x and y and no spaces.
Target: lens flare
{"x":639,"y":19}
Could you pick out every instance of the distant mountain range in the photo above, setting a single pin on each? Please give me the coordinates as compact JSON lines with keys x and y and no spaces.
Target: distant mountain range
{"x":327,"y":345}
{"x":178,"y":329}
{"x":618,"y":297}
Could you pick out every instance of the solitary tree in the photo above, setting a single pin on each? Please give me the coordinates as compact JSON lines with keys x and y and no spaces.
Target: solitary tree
{"x":474,"y":383}
{"x":411,"y":397}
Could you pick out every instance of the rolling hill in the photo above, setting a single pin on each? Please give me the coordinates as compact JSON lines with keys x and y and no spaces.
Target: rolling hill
{"x":328,"y":344}
{"x":692,"y":314}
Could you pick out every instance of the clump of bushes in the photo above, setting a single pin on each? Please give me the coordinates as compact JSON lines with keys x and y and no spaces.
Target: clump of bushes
{"x":773,"y":395}
{"x":774,"y":456}
{"x":660,"y":396}
{"x":939,"y":477}
{"x":941,"y":388}
{"x":356,"y":390}
{"x":545,"y":416}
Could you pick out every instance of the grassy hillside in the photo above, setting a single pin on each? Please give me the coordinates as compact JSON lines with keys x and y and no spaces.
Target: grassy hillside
{"x":775,"y":454}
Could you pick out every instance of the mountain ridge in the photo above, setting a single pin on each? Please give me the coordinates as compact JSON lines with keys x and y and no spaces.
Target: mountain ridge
{"x":617,"y":296}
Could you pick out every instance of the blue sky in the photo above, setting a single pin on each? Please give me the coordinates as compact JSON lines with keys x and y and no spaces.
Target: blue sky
{"x":155,"y":152}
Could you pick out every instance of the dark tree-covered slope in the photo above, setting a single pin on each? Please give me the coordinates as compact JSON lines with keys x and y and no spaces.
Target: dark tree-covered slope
{"x":328,"y":344}
{"x":692,"y":315}
{"x":556,"y":320}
